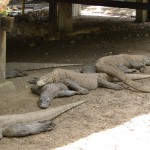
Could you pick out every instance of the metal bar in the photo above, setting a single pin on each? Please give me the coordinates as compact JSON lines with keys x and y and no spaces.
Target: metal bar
{"x":133,"y":5}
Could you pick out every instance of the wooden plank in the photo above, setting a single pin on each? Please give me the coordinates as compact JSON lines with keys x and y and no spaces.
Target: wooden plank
{"x":2,"y":54}
{"x":133,"y":5}
{"x":65,"y":17}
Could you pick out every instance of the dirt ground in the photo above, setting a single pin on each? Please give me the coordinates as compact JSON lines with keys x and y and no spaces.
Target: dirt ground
{"x":105,"y":108}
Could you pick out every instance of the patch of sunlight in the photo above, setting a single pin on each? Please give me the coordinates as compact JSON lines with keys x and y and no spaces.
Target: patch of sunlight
{"x":107,"y":11}
{"x":132,"y":135}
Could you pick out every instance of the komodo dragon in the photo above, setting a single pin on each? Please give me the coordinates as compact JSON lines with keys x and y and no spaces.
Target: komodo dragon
{"x":19,"y":125}
{"x":79,"y":81}
{"x":50,"y":91}
{"x":16,"y":69}
{"x":125,"y":62}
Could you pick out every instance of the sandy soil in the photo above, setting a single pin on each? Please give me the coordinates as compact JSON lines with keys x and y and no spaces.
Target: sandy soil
{"x":105,"y":108}
{"x":133,"y":134}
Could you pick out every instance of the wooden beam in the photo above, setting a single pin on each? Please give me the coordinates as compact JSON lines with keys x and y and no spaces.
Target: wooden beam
{"x":133,"y":5}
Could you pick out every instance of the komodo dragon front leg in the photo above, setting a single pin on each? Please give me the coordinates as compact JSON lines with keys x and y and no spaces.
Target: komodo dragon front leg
{"x":75,"y":86}
{"x":137,"y":65}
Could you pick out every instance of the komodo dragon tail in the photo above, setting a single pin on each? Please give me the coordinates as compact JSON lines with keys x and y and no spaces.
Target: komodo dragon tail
{"x":35,"y":66}
{"x":113,"y":71}
{"x":138,"y":76}
{"x":133,"y":77}
{"x":42,"y":115}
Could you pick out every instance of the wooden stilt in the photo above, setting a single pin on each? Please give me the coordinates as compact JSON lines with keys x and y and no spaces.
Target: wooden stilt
{"x":65,"y":17}
{"x":2,"y":54}
{"x":76,"y":9}
{"x":141,"y":15}
{"x":23,"y":6}
{"x":53,"y":16}
{"x":5,"y":24}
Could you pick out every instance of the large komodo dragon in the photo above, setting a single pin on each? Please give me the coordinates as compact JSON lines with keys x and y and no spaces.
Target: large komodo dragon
{"x":19,"y":125}
{"x":83,"y":82}
{"x":49,"y":91}
{"x":125,"y":62}
{"x":16,"y":69}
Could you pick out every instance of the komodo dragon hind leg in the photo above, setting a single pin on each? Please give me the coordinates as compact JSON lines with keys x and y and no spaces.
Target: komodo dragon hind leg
{"x":104,"y":83}
{"x":138,"y":66}
{"x":126,"y":69}
{"x":75,"y":86}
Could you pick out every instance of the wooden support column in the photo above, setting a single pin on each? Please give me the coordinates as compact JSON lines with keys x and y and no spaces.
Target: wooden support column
{"x":53,"y":17}
{"x":5,"y":86}
{"x":148,"y":13}
{"x":141,"y":15}
{"x":2,"y":54}
{"x":76,"y":9}
{"x":65,"y":17}
{"x":23,"y":7}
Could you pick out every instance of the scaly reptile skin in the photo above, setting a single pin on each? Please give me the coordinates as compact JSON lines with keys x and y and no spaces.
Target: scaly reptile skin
{"x":18,"y":125}
{"x":90,"y":81}
{"x":125,"y":62}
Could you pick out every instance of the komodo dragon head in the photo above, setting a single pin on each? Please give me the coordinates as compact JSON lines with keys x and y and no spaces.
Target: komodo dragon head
{"x":47,"y":78}
{"x":55,"y":76}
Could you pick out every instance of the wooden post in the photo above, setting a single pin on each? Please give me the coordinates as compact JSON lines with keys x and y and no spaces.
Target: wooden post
{"x":2,"y":54}
{"x":23,"y":6}
{"x":76,"y":9}
{"x":65,"y":17}
{"x":53,"y":16}
{"x":141,"y":15}
{"x":5,"y":24}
